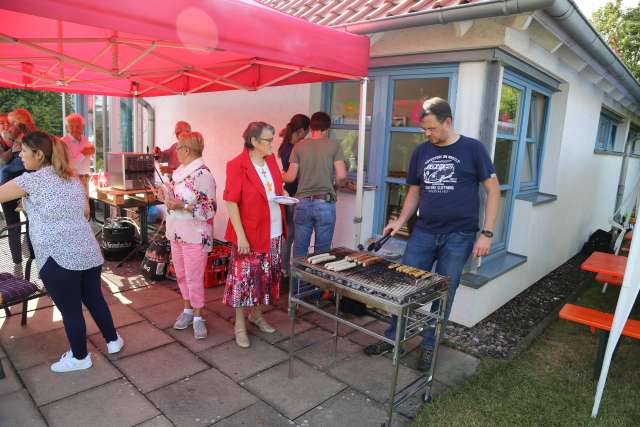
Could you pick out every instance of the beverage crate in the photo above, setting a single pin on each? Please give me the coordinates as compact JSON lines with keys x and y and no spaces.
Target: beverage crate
{"x":217,"y":264}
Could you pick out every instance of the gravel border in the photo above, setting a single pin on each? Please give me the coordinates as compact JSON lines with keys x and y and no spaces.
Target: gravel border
{"x":512,"y":328}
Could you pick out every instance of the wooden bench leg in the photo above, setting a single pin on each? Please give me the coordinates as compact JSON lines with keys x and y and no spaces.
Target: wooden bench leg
{"x":23,"y":318}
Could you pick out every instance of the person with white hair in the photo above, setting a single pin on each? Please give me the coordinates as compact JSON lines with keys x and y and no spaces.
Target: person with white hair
{"x":80,"y":149}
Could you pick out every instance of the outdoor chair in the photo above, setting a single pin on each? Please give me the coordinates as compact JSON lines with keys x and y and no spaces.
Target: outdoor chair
{"x":16,"y":285}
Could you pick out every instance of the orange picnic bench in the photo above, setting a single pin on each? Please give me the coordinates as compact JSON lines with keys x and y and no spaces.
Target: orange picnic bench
{"x":601,"y":322}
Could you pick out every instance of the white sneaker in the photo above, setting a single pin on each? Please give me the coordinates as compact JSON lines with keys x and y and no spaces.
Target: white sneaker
{"x":199,"y":329}
{"x":68,"y":363}
{"x":116,"y":345}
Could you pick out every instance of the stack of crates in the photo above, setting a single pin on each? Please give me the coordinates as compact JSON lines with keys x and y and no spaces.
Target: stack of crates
{"x":217,"y":264}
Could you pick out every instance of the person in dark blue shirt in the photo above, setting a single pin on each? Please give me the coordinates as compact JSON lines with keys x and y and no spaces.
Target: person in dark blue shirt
{"x":444,"y":175}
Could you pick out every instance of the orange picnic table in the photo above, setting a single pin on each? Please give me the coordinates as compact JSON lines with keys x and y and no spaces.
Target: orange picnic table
{"x":610,"y":264}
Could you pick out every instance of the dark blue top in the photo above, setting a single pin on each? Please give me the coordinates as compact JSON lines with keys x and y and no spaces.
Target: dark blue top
{"x":448,"y":178}
{"x":285,"y":153}
{"x":12,"y":169}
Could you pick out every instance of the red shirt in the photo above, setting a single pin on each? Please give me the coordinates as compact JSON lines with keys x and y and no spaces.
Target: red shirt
{"x":245,"y":188}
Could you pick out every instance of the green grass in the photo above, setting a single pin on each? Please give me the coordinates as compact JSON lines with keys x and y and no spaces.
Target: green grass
{"x":549,"y":384}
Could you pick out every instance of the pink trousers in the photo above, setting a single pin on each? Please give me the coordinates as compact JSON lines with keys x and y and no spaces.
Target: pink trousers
{"x":190,"y":261}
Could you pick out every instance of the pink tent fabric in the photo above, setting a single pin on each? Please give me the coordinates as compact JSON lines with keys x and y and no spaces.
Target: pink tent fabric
{"x":153,"y":48}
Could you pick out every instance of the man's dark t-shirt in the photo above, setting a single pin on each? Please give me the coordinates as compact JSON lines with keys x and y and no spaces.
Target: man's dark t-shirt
{"x":285,"y":153}
{"x":448,"y":178}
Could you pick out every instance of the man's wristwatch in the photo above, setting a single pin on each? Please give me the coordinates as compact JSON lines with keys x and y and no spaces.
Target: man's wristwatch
{"x":487,"y":233}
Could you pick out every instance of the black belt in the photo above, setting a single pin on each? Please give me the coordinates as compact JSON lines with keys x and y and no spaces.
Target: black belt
{"x":315,"y":197}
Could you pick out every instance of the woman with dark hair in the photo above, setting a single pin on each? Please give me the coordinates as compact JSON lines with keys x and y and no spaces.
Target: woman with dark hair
{"x":256,"y":228}
{"x":67,"y":254}
{"x":296,"y":130}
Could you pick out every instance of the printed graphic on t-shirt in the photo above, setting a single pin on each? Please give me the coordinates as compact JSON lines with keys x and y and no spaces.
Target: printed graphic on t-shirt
{"x":440,"y":174}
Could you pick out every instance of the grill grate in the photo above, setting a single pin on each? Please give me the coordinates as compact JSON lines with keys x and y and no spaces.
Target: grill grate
{"x":378,"y":280}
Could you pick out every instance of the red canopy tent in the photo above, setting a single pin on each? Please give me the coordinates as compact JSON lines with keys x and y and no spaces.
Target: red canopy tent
{"x":177,"y":47}
{"x":152,"y":48}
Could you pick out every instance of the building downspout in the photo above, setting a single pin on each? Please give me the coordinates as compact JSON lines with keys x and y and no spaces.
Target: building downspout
{"x":565,"y":12}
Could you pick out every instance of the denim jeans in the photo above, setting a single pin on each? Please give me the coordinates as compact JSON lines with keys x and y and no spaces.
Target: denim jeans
{"x":313,"y":216}
{"x":449,"y":252}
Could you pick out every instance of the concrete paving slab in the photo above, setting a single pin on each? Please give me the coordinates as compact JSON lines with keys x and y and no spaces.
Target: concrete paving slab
{"x":33,"y":350}
{"x":257,"y":415}
{"x":163,"y":315}
{"x":201,"y":399}
{"x":350,"y":408}
{"x":321,"y":354}
{"x":329,"y":324}
{"x":240,"y":363}
{"x":375,"y":380}
{"x":117,"y":403}
{"x":453,"y":366}
{"x":364,"y":339}
{"x":293,"y":397}
{"x":34,"y":304}
{"x":213,"y":294}
{"x":138,"y":337}
{"x":221,"y":310}
{"x":219,"y":331}
{"x":123,"y":279}
{"x":156,"y":368}
{"x":122,"y":315}
{"x":159,"y":421}
{"x":146,"y":297}
{"x":10,"y":383}
{"x":305,"y":339}
{"x":280,"y":321}
{"x":412,"y":406}
{"x":38,"y":321}
{"x":46,"y":386}
{"x":18,"y":409}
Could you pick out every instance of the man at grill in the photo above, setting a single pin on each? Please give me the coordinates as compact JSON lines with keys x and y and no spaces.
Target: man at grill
{"x":443,"y":178}
{"x":79,"y":148}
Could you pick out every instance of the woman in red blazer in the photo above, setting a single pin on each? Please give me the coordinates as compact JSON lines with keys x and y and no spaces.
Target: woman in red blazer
{"x":256,"y":228}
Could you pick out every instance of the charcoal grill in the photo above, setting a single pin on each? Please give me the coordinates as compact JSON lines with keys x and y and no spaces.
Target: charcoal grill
{"x":377,"y":286}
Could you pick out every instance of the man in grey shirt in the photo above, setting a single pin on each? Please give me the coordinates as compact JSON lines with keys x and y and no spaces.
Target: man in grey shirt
{"x":315,"y":161}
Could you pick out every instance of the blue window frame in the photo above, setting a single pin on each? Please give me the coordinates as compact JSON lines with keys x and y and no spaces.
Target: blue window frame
{"x":607,"y":131}
{"x":394,"y":126}
{"x":520,"y":136}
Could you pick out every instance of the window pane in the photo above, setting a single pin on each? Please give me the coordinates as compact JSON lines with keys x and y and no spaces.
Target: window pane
{"x":345,"y":103}
{"x":536,"y":115}
{"x":634,"y":140}
{"x":99,"y":130}
{"x":396,"y":194}
{"x":501,"y":221}
{"x":349,"y":141}
{"x":509,"y":113}
{"x":401,"y":147}
{"x":126,"y":124}
{"x":503,"y":159}
{"x":529,"y":163}
{"x":409,"y":95}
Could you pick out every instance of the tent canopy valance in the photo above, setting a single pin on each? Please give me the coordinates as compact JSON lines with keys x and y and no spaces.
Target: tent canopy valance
{"x":149,"y":48}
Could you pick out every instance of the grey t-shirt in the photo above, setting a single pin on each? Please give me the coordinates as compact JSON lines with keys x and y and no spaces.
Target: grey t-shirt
{"x":315,"y":158}
{"x":57,"y":225}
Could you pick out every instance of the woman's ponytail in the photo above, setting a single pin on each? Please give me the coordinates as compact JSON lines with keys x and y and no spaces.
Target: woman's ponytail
{"x":60,"y":159}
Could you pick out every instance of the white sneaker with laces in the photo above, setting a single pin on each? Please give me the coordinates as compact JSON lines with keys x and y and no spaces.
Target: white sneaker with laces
{"x":68,"y":363}
{"x":116,"y":345}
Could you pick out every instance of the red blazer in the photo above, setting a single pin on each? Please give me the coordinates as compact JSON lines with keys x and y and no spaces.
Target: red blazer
{"x":245,"y":188}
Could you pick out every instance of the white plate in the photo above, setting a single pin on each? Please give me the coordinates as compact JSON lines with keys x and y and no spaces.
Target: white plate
{"x":286,"y":200}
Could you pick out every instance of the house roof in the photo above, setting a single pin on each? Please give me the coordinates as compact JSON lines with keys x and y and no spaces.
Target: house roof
{"x":342,"y":12}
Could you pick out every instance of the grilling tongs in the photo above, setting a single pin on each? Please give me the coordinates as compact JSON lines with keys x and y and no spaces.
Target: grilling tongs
{"x":376,"y":246}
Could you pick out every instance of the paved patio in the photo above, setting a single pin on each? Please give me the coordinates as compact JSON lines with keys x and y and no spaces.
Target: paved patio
{"x":164,"y":377}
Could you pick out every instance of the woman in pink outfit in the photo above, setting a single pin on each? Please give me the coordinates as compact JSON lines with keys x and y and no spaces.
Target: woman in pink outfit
{"x":190,"y":199}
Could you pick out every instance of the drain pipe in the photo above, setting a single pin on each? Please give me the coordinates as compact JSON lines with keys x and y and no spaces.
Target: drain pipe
{"x":565,"y":12}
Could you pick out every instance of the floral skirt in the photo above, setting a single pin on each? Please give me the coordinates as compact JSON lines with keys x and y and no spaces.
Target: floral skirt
{"x":254,"y":278}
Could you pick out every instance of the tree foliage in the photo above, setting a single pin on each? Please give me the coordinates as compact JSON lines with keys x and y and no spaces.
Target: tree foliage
{"x":45,"y":107}
{"x":620,"y":27}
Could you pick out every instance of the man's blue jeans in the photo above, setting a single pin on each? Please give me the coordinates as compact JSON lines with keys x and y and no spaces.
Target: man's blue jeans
{"x":313,"y":216}
{"x":449,"y":252}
